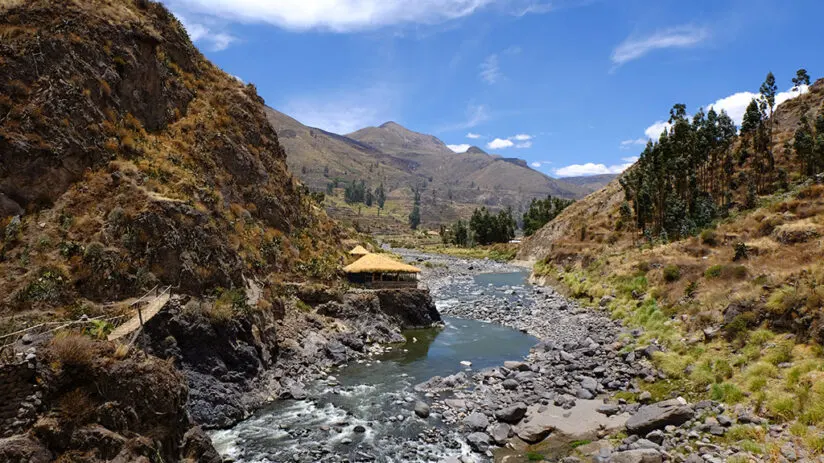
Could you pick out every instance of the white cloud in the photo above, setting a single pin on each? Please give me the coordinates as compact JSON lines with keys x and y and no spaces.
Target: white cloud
{"x":627,"y":144}
{"x":344,"y":112}
{"x":536,"y":164}
{"x":654,"y":131}
{"x":590,"y":168}
{"x":500,"y":143}
{"x":630,"y":159}
{"x":348,"y":15}
{"x":203,"y":34}
{"x":491,"y":70}
{"x":461,"y":148}
{"x":675,"y":37}
{"x":736,"y":104}
{"x":520,"y":140}
{"x":473,"y":136}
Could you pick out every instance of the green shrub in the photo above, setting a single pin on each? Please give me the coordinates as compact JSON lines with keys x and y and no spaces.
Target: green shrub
{"x":691,"y":289}
{"x":781,"y":353}
{"x":726,"y":392}
{"x":709,"y":237}
{"x":713,"y":272}
{"x":672,"y":273}
{"x":740,"y":250}
{"x":782,"y":407}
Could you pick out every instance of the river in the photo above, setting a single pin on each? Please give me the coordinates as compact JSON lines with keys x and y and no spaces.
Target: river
{"x":364,"y":411}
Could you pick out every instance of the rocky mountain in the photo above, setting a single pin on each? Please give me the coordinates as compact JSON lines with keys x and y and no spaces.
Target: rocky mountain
{"x":451,"y":184}
{"x":130,"y":161}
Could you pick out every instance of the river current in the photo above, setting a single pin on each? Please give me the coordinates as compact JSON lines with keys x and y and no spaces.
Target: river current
{"x":363,"y":411}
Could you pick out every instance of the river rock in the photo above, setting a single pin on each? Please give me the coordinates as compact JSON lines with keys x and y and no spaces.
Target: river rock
{"x":516,"y":366}
{"x":512,"y":414}
{"x":478,"y":441}
{"x":637,"y":456}
{"x":422,"y":409}
{"x":510,"y":384}
{"x":657,"y":416}
{"x":500,"y":433}
{"x":590,"y":384}
{"x":477,"y":421}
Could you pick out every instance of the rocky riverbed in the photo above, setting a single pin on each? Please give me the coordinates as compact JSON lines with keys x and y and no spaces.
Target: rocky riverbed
{"x":468,"y":393}
{"x":562,"y":394}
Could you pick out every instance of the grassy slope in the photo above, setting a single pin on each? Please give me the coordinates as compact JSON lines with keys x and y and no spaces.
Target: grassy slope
{"x":739,"y":331}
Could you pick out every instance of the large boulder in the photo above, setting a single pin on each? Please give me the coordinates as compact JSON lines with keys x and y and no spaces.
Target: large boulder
{"x":477,"y":421}
{"x":511,"y":414}
{"x":659,"y":415}
{"x":637,"y":456}
{"x":479,"y":441}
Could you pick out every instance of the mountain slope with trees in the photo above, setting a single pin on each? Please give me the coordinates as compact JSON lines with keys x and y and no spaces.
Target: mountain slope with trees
{"x":711,"y":246}
{"x":450,"y":185}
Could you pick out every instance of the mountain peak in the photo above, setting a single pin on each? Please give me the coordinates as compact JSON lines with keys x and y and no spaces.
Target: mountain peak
{"x":475,"y":150}
{"x":392,"y":125}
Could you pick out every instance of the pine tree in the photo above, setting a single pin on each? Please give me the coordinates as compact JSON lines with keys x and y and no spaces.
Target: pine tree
{"x":801,"y":78}
{"x":803,"y":144}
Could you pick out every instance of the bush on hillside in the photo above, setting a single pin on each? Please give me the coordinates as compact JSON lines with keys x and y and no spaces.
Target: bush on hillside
{"x":672,"y":273}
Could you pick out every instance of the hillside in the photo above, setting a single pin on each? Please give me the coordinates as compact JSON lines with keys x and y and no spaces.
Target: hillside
{"x":452,"y":184}
{"x":591,"y":183}
{"x":129,"y":160}
{"x":735,"y":306}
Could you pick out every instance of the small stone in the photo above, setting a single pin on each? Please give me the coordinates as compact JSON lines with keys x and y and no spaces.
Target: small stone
{"x":510,"y":384}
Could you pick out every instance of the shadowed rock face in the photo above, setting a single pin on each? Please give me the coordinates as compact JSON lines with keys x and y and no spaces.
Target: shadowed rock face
{"x":412,"y":308}
{"x":96,"y":403}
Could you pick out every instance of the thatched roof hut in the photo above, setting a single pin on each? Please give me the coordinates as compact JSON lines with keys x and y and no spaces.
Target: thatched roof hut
{"x":378,"y":263}
{"x":358,"y":251}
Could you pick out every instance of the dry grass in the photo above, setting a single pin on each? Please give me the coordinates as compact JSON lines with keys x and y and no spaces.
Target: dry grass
{"x":73,"y":350}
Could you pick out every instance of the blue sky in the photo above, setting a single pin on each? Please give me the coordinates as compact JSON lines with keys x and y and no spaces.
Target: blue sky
{"x":572,"y":86}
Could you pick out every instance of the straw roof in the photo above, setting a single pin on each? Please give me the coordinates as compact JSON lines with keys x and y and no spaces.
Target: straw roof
{"x":377,"y":263}
{"x":358,"y":251}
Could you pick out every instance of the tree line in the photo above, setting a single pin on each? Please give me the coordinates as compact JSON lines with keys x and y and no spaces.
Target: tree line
{"x":541,"y":211}
{"x":689,"y":176}
{"x":358,"y":192}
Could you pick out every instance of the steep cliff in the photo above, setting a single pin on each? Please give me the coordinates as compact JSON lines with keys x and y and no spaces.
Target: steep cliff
{"x":130,"y":160}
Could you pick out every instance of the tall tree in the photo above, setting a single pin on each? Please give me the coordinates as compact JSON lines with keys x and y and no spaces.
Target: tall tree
{"x":801,"y":78}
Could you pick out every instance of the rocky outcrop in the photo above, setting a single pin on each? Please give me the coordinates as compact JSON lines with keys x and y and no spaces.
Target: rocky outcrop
{"x":409,"y":308}
{"x":221,"y":359}
{"x":234,"y":364}
{"x":102,"y":404}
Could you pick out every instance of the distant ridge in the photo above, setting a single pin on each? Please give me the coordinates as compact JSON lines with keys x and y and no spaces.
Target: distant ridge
{"x":451,"y":184}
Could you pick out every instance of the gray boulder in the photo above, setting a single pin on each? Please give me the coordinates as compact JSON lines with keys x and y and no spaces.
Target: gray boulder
{"x":637,"y":456}
{"x":500,"y":433}
{"x":657,"y":416}
{"x":422,"y":409}
{"x":478,"y":441}
{"x":512,"y":414}
{"x":477,"y":421}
